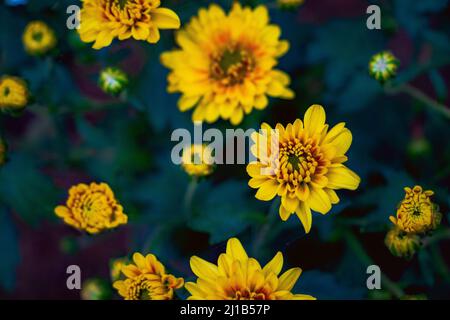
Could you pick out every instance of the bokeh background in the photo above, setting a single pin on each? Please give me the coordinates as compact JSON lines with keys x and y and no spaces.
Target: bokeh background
{"x":72,"y":132}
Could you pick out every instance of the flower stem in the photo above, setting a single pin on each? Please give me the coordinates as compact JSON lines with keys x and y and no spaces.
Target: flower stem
{"x":364,"y":258}
{"x":419,"y":95}
{"x":189,"y":195}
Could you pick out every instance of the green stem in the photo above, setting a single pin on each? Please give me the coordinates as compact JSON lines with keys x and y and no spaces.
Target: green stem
{"x":189,"y":195}
{"x":261,"y":236}
{"x":358,"y":249}
{"x":419,"y":95}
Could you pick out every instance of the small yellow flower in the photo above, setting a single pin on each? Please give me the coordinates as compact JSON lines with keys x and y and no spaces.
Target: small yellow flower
{"x":303,"y":163}
{"x":38,"y":38}
{"x":197,"y":160}
{"x":13,"y":94}
{"x":113,"y":80}
{"x":402,"y":244}
{"x":3,"y":150}
{"x":94,"y":289}
{"x":225,"y":66}
{"x":104,"y":20}
{"x":116,"y":268}
{"x":417,"y":213}
{"x":289,"y":4}
{"x":92,"y":208}
{"x":238,"y":277}
{"x":146,"y":279}
{"x":383,"y":66}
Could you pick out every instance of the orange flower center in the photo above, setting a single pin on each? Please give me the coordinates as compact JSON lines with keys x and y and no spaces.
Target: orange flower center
{"x":247,"y":294}
{"x":231,"y":65}
{"x":128,"y":11}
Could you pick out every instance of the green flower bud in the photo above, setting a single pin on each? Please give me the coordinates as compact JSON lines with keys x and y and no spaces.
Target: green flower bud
{"x":113,"y":80}
{"x":383,"y":66}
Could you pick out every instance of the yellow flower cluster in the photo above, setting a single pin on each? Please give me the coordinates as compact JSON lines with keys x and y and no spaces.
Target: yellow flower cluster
{"x":238,"y":277}
{"x":92,"y":208}
{"x":225,"y":64}
{"x":38,"y":38}
{"x":146,"y":279}
{"x":101,"y":21}
{"x":303,"y":163}
{"x":416,"y":215}
{"x":13,"y":94}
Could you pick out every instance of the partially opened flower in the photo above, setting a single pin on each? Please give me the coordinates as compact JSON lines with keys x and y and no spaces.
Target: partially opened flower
{"x":112,"y":80}
{"x":38,"y":38}
{"x":225,"y":64}
{"x":197,"y":161}
{"x":383,"y":66}
{"x":14,"y":94}
{"x":238,"y":277}
{"x":146,"y":279}
{"x":402,"y":244}
{"x":102,"y":21}
{"x":92,"y":208}
{"x":417,"y":213}
{"x":303,"y":163}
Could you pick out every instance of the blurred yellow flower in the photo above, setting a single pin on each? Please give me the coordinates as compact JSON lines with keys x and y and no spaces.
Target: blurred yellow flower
{"x":146,"y":279}
{"x":225,"y":65}
{"x":417,"y":213}
{"x":197,"y":161}
{"x":92,"y":208}
{"x":116,"y":268}
{"x":104,"y":20}
{"x":402,"y":244}
{"x":38,"y":38}
{"x":95,"y":289}
{"x":289,"y":4}
{"x":303,"y":164}
{"x":238,"y":277}
{"x":13,"y":94}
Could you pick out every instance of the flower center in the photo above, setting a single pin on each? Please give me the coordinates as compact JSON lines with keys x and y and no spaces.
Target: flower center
{"x":380,"y":65}
{"x":298,"y":162}
{"x":37,"y":36}
{"x":231,"y":66}
{"x":246,"y":294}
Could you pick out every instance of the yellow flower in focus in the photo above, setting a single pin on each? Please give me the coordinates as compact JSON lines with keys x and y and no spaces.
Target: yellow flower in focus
{"x":3,"y":149}
{"x":225,"y":66}
{"x":92,"y":208}
{"x":303,"y":163}
{"x":146,"y":279}
{"x":13,"y":94}
{"x":238,"y":277}
{"x":402,"y":244}
{"x":104,"y":20}
{"x":289,"y":4}
{"x":417,"y":213}
{"x":197,"y":160}
{"x":38,"y":38}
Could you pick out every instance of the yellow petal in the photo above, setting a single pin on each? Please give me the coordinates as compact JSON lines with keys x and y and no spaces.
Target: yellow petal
{"x":342,"y":177}
{"x":139,"y":260}
{"x":275,"y":265}
{"x":304,"y":214}
{"x":165,"y":18}
{"x":268,"y":190}
{"x":319,"y":201}
{"x":236,"y":250}
{"x":289,"y":203}
{"x":314,"y":119}
{"x":284,"y":214}
{"x":194,"y":289}
{"x":303,"y":297}
{"x":289,"y":278}
{"x":203,"y":268}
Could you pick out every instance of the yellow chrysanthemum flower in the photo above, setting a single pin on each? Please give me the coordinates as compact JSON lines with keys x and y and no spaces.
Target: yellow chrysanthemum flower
{"x":225,"y":66}
{"x":402,"y":244}
{"x":38,"y":38}
{"x":104,"y":20}
{"x":13,"y":94}
{"x":303,"y":164}
{"x":238,"y":277}
{"x":197,"y":160}
{"x":92,"y":208}
{"x":417,"y":213}
{"x":146,"y":279}
{"x":2,"y":151}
